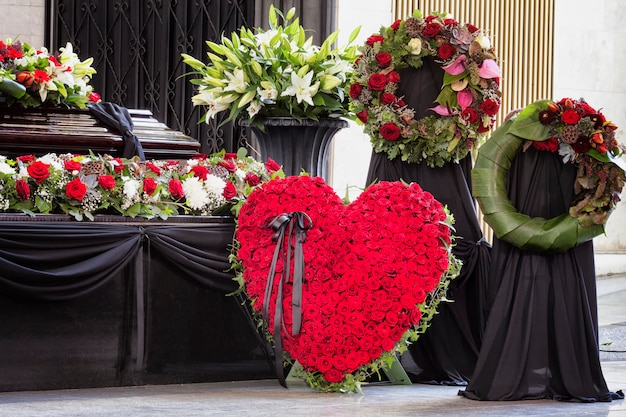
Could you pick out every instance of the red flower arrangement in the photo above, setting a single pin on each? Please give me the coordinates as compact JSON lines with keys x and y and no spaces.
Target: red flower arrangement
{"x":582,"y":136}
{"x":374,"y":273}
{"x":465,"y":109}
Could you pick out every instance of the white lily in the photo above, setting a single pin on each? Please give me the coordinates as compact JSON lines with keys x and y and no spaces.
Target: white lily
{"x":215,"y":102}
{"x":301,"y":88}
{"x":236,"y":81}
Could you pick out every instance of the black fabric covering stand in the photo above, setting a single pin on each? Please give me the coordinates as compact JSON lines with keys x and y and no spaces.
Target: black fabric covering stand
{"x":447,"y":352}
{"x":541,"y":339}
{"x":121,"y":302}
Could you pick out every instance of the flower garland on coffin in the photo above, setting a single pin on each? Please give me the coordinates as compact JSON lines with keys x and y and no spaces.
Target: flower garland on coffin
{"x":85,"y":185}
{"x":33,"y":77}
{"x":465,"y":108}
{"x":368,"y":291}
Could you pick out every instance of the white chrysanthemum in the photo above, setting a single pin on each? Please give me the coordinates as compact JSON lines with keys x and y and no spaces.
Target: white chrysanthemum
{"x":131,"y":188}
{"x":214,"y":185}
{"x":197,"y":196}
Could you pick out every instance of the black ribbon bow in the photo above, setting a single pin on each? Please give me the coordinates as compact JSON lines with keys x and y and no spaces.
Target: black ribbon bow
{"x":289,"y":234}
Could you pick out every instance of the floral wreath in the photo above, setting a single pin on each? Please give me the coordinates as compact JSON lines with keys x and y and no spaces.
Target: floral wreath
{"x":582,"y":136}
{"x":465,"y":108}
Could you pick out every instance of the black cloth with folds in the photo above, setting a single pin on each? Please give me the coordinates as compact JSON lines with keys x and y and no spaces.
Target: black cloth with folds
{"x":447,"y":352}
{"x":541,"y":339}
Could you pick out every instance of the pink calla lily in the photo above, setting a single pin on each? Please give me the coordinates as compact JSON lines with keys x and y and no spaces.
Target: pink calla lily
{"x":456,"y":67}
{"x":489,"y":69}
{"x":464,"y":97}
{"x":441,"y":110}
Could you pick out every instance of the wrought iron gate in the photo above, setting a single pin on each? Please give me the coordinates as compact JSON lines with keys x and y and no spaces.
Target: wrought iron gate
{"x":136,"y":45}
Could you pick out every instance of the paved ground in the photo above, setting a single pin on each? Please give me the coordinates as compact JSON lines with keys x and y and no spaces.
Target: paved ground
{"x":268,"y":398}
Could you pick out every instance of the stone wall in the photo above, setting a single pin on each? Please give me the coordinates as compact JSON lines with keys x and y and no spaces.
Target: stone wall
{"x":23,"y":20}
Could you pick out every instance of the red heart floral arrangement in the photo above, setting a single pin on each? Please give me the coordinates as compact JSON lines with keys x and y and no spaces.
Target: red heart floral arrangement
{"x":374,"y":272}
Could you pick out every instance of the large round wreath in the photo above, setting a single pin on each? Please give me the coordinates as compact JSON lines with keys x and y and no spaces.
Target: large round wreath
{"x":465,"y":108}
{"x":582,"y":136}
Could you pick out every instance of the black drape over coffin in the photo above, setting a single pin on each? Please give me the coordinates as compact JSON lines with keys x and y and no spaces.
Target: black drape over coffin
{"x":120,"y":302}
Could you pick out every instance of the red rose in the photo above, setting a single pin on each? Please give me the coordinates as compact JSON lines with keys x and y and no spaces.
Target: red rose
{"x":229,"y":191}
{"x":333,"y":375}
{"x":22,"y":188}
{"x":387,"y":98}
{"x":94,"y":97}
{"x":76,"y":189}
{"x":445,"y":51}
{"x":72,"y":165}
{"x":252,"y":179}
{"x":200,"y":171}
{"x":149,"y":185}
{"x":383,"y":59}
{"x":450,"y":22}
{"x":431,"y":30}
{"x":26,"y":158}
{"x":490,"y":107}
{"x":375,"y":38}
{"x":393,"y":77}
{"x":175,"y":188}
{"x":390,"y":131}
{"x":229,"y":165}
{"x":362,"y":115}
{"x":272,"y":166}
{"x":396,"y":25}
{"x":469,"y":115}
{"x":38,"y":171}
{"x":472,"y":28}
{"x":106,"y":181}
{"x":153,"y":168}
{"x":230,"y":155}
{"x":377,"y":82}
{"x":355,"y":90}
{"x":570,"y":117}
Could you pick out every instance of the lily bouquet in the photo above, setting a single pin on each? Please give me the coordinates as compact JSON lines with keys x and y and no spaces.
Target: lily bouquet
{"x":274,"y":73}
{"x":33,"y":77}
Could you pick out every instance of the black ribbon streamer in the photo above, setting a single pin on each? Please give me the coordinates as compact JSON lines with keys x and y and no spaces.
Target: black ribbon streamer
{"x":290,"y":228}
{"x":118,"y":118}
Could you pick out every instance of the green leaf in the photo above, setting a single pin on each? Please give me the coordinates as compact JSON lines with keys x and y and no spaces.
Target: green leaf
{"x":527,"y":125}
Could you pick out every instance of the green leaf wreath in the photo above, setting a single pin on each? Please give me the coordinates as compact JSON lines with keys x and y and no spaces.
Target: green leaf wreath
{"x":582,"y":136}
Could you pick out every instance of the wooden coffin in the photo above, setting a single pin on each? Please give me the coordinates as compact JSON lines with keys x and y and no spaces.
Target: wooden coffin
{"x":41,"y":131}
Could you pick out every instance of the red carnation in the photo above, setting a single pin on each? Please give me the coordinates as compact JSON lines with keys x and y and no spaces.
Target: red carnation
{"x":390,"y":131}
{"x":570,"y":117}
